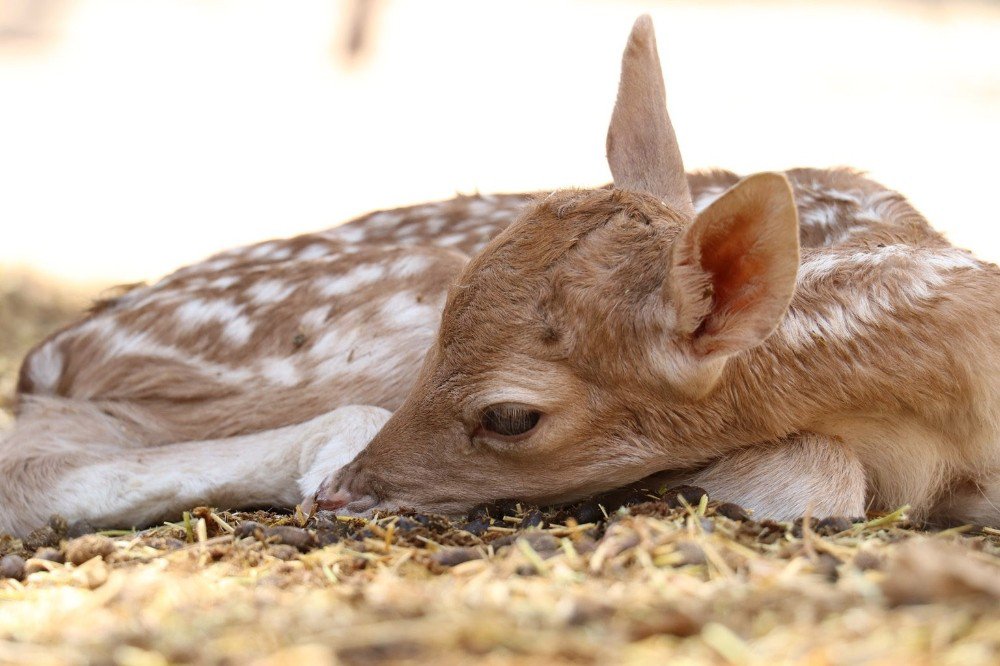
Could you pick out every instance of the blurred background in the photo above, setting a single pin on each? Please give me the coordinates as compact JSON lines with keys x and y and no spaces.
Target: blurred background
{"x":136,"y":136}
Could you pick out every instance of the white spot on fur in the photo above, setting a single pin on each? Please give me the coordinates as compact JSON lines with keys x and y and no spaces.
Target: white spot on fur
{"x":314,"y":251}
{"x":434,"y":225}
{"x":844,"y":196}
{"x":480,"y":208}
{"x":403,"y":311}
{"x":280,"y":370}
{"x":911,"y":260}
{"x":911,"y":275}
{"x":213,"y":266}
{"x":383,"y":219}
{"x":46,"y":367}
{"x":819,"y":266}
{"x":331,"y":257}
{"x":262,"y":251}
{"x":270,"y":251}
{"x":315,"y":318}
{"x":345,"y":284}
{"x":238,"y":331}
{"x":452,"y":239}
{"x":122,"y":342}
{"x":410,"y":266}
{"x":269,"y":291}
{"x":815,"y":190}
{"x":194,"y":284}
{"x":236,"y":327}
{"x":224,"y":282}
{"x":357,"y":348}
{"x":407,"y":235}
{"x":876,"y":207}
{"x":351,"y":233}
{"x":823,"y":216}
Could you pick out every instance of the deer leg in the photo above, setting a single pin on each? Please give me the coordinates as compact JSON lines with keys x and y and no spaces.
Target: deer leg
{"x":74,"y":461}
{"x":783,"y":480}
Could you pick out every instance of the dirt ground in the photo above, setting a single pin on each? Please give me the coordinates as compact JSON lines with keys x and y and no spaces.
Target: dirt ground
{"x":645,"y":575}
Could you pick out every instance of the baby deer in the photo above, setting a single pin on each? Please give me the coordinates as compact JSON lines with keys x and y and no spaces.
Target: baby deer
{"x":844,"y":358}
{"x":787,"y":341}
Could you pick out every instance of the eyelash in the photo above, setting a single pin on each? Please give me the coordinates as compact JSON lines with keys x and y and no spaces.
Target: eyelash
{"x":508,"y":421}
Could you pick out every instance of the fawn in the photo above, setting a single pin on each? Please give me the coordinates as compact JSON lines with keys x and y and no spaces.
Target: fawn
{"x":793,"y":342}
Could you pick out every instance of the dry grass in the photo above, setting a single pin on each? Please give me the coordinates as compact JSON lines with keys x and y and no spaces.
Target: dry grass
{"x":680,"y":584}
{"x":659,"y":580}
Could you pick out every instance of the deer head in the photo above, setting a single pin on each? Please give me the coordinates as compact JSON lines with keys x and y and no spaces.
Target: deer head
{"x":581,"y":349}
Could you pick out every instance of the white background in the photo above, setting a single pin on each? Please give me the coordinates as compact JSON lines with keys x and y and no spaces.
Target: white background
{"x":141,"y":135}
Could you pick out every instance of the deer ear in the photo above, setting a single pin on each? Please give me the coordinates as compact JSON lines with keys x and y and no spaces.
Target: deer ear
{"x":642,"y":148}
{"x":733,"y":270}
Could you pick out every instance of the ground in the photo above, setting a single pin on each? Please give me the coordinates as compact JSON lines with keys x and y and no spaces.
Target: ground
{"x":640,"y":576}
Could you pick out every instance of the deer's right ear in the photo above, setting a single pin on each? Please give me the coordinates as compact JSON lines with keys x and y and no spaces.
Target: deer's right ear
{"x":733,"y":270}
{"x":642,"y":148}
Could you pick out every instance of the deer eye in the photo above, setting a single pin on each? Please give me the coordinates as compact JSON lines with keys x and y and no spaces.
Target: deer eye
{"x":508,"y":420}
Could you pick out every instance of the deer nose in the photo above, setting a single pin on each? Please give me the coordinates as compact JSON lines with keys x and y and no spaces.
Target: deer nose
{"x":344,"y":502}
{"x":343,"y":494}
{"x":332,"y":501}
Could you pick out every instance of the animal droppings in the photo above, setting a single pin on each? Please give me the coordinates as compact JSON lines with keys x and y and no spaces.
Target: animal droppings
{"x":248,"y":528}
{"x":51,"y":555}
{"x":732,"y":511}
{"x":407,"y":524}
{"x":79,"y":528}
{"x":58,"y":524}
{"x":691,"y":495}
{"x":476,"y":527}
{"x":88,"y":547}
{"x":834,"y":525}
{"x":296,"y":537}
{"x":495,"y":510}
{"x":41,"y":538}
{"x":798,"y":523}
{"x":12,"y":566}
{"x":533,"y":518}
{"x":450,"y":557}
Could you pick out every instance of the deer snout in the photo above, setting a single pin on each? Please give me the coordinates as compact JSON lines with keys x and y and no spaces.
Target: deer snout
{"x":343,"y":502}
{"x":346,"y":493}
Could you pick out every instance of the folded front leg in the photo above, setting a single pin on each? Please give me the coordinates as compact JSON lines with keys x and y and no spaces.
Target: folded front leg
{"x":70,"y":458}
{"x":783,"y":479}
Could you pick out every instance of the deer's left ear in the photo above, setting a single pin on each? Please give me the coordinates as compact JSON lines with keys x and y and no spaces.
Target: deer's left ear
{"x":642,"y":147}
{"x":733,"y":270}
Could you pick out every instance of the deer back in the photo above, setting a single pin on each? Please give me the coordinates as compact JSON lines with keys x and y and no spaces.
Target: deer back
{"x":277,"y":332}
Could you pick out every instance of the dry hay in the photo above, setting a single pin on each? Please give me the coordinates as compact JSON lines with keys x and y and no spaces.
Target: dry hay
{"x":663,"y":579}
{"x":668,"y":576}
